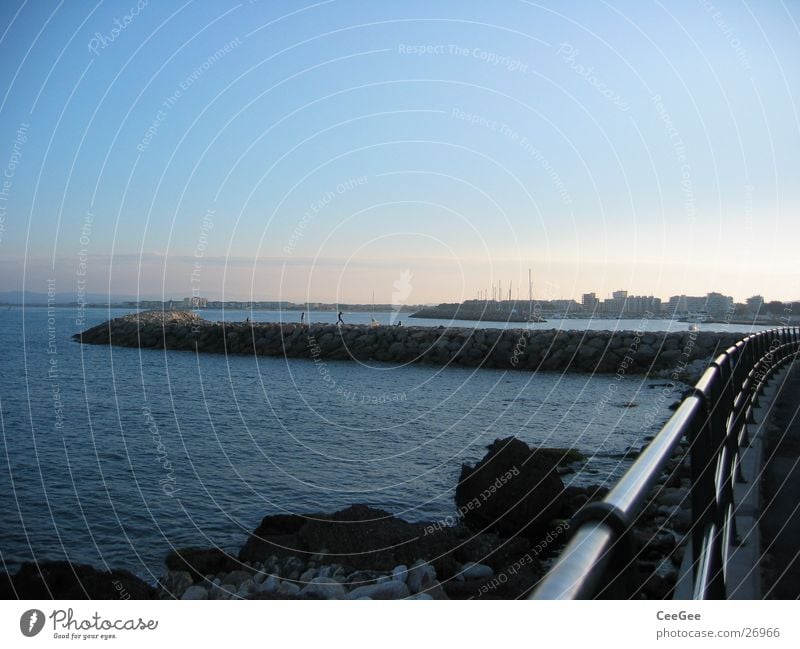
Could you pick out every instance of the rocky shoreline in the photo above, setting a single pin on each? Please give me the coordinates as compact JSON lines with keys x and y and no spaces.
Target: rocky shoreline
{"x":514,"y":515}
{"x":678,"y":355}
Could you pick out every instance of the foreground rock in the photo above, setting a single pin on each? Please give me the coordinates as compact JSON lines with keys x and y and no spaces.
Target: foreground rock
{"x":64,"y":580}
{"x":667,"y":355}
{"x":513,"y":490}
{"x":515,"y":518}
{"x":361,"y":537}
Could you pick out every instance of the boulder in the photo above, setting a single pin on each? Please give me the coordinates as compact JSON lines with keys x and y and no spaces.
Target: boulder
{"x":362,"y":537}
{"x":236,"y":577}
{"x":288,"y":589}
{"x":195,"y":592}
{"x":387,"y":590}
{"x":199,"y":562}
{"x":472,"y":571}
{"x":175,"y":583}
{"x":512,"y":490}
{"x":275,"y":536}
{"x":400,"y":573}
{"x":65,"y":580}
{"x":420,"y":577}
{"x":491,"y":549}
{"x":269,"y":585}
{"x":323,"y":588}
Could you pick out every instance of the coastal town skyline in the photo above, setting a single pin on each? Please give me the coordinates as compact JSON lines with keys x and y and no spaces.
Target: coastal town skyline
{"x":619,"y":301}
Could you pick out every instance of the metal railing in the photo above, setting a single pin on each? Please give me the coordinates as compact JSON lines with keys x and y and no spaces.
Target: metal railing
{"x":714,"y":419}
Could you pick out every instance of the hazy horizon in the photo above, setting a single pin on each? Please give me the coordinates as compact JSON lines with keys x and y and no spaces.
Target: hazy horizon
{"x":334,"y":150}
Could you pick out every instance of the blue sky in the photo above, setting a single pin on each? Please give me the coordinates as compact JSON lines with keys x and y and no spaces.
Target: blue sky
{"x":318,"y":150}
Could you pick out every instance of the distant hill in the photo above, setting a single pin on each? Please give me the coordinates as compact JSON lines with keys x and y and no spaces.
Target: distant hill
{"x":32,"y":297}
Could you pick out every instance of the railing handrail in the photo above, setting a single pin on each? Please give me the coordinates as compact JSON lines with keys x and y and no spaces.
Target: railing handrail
{"x":714,"y":419}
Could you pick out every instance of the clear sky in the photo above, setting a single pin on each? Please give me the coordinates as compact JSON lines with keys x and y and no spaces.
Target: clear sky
{"x":418,"y":150}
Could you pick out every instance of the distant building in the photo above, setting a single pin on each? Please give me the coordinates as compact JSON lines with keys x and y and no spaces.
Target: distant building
{"x":755,"y":303}
{"x":565,"y":306}
{"x":719,"y":306}
{"x":680,"y":305}
{"x":589,"y":302}
{"x":622,"y":304}
{"x":715,"y":305}
{"x":195,"y":302}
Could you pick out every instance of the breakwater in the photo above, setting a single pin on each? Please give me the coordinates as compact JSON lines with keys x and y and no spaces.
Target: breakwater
{"x":661,"y":354}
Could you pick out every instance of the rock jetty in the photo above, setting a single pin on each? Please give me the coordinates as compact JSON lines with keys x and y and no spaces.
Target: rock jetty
{"x":680,"y":355}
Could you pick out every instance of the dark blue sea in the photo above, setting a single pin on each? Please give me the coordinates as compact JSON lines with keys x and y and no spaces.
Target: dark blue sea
{"x":112,"y":456}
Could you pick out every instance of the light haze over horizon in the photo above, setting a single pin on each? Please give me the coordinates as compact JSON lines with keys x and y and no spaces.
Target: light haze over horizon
{"x":420,"y":151}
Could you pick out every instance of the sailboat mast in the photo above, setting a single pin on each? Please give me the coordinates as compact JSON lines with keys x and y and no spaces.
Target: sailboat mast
{"x":530,"y":294}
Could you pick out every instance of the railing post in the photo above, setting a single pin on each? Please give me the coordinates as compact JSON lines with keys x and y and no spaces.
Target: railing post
{"x":702,"y":489}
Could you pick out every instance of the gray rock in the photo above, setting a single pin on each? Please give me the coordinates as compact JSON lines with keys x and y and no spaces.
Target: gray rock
{"x":386,"y":590}
{"x":288,"y":589}
{"x":226,"y":591}
{"x":325,"y":588}
{"x":237,"y":577}
{"x":400,"y":573}
{"x":195,"y":592}
{"x":420,"y":577}
{"x":474,"y":571}
{"x":247,"y":586}
{"x":436,"y":591}
{"x":176,"y":582}
{"x":361,"y":578}
{"x":672,"y":497}
{"x":270,"y":585}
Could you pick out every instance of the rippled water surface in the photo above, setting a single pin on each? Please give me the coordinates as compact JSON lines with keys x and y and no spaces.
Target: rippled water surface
{"x":113,"y":455}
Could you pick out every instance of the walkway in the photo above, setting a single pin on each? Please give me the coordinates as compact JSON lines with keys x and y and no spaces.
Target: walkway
{"x":780,"y":495}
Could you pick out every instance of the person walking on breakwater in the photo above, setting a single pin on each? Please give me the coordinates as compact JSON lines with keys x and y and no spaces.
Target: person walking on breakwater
{"x":302,"y":318}
{"x":340,"y":321}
